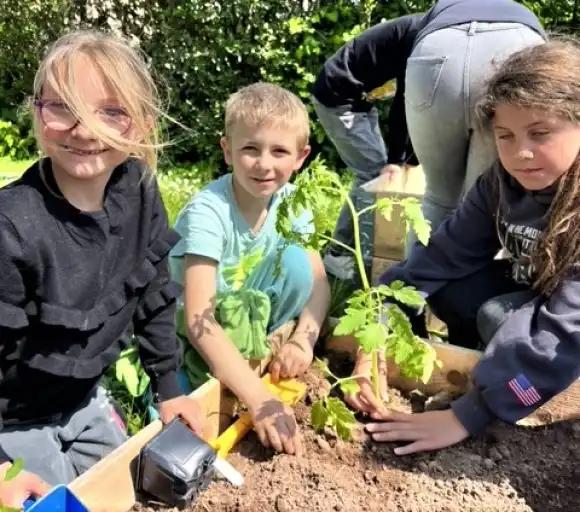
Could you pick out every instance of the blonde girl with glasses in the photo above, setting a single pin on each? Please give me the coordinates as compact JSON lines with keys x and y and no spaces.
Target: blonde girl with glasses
{"x":84,"y":241}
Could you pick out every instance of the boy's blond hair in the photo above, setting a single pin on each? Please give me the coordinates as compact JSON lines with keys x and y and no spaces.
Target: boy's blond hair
{"x":124,"y":69}
{"x":261,"y":104}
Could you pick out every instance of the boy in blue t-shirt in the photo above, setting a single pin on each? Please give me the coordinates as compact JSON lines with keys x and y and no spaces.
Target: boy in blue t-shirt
{"x":239,"y":275}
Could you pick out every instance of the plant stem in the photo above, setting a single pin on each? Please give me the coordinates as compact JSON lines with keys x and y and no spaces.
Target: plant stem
{"x":367,"y":210}
{"x":336,"y":242}
{"x":357,"y":245}
{"x":375,"y":375}
{"x":365,"y":282}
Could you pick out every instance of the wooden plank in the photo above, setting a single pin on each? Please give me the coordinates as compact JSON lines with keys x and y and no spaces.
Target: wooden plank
{"x":108,"y":486}
{"x":379,"y":266}
{"x":389,"y":235}
{"x":454,"y":376}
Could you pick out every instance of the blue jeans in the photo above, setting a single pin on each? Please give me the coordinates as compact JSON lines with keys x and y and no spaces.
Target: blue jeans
{"x":476,"y":306}
{"x":288,"y":287}
{"x":445,"y":77}
{"x":358,"y":140}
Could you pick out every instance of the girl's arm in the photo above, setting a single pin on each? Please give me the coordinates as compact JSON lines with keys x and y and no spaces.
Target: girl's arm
{"x":296,"y":355}
{"x":273,"y":421}
{"x":154,"y":323}
{"x":533,"y":356}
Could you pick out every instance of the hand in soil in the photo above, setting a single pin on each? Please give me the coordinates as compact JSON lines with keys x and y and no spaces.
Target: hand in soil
{"x":292,"y":360}
{"x":426,"y":431}
{"x":276,"y":426}
{"x":14,"y":492}
{"x":365,"y":400}
{"x":185,"y":408}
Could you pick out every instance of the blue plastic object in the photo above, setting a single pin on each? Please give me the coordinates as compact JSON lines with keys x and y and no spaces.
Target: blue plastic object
{"x":60,"y":499}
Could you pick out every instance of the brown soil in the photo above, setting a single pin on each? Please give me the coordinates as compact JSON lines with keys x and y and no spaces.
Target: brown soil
{"x":507,"y":470}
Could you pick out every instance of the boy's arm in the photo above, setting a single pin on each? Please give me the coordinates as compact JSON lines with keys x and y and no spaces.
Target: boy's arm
{"x":274,"y":422}
{"x":296,"y":355}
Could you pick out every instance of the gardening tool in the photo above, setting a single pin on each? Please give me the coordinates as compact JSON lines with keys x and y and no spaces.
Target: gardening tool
{"x":176,"y":465}
{"x":290,"y":391}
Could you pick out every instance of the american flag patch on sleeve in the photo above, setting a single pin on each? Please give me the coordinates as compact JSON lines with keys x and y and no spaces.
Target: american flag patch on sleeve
{"x":523,"y":389}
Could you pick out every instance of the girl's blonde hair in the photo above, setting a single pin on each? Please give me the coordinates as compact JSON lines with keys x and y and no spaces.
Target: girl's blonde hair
{"x":546,"y":77}
{"x":124,"y":70}
{"x":268,"y":104}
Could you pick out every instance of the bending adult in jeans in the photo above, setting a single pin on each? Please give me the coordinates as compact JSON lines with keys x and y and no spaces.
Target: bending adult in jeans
{"x":440,"y":61}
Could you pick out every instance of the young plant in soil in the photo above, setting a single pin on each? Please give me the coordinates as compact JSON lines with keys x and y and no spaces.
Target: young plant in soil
{"x":372,"y":316}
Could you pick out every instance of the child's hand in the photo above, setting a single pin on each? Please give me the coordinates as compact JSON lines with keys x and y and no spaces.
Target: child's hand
{"x":24,"y":485}
{"x":185,"y":408}
{"x":275,"y":424}
{"x":365,"y":400}
{"x":293,"y":359}
{"x":425,"y":431}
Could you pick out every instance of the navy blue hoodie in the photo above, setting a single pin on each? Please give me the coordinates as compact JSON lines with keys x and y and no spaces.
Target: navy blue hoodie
{"x":538,"y":347}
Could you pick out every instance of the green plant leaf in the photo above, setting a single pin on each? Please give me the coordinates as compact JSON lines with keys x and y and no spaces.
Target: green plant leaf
{"x":372,"y":337}
{"x":318,"y":415}
{"x":349,"y":387}
{"x":236,"y":275}
{"x":407,"y":295}
{"x":322,"y":365}
{"x":318,"y":191}
{"x":415,"y":220}
{"x":353,"y":320}
{"x":340,"y":417}
{"x":14,"y":470}
{"x":385,"y":207}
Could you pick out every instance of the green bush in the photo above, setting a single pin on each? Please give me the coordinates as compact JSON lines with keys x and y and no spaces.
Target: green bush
{"x":206,"y":49}
{"x":13,"y":144}
{"x":179,"y":184}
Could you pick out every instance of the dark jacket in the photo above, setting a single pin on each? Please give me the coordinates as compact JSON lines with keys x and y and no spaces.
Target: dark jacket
{"x":540,"y":341}
{"x":74,"y":289}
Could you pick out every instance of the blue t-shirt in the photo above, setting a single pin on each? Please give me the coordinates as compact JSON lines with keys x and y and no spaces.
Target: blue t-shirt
{"x":212,"y":225}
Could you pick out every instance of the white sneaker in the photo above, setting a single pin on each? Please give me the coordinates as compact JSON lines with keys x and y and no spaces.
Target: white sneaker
{"x":341,"y":267}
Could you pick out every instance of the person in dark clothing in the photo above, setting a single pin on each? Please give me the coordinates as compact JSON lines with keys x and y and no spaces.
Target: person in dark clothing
{"x":84,"y":242}
{"x":528,"y":205}
{"x":440,"y":61}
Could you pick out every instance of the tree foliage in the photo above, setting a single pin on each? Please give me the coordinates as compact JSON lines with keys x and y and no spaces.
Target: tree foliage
{"x":203,"y":50}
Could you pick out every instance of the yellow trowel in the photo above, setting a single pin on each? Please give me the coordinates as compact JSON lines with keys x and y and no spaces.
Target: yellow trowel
{"x":290,"y":391}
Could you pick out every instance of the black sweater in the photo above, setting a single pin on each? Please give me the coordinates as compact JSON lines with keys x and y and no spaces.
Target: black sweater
{"x":75,"y":287}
